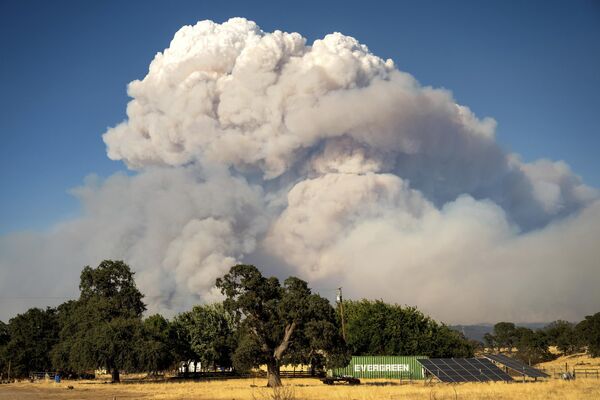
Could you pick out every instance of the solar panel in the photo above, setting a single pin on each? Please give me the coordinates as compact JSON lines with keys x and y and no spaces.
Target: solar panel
{"x":464,"y":369}
{"x":516,"y":365}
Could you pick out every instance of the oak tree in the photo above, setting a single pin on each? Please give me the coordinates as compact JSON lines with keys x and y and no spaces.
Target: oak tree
{"x":31,"y":336}
{"x":101,"y":328}
{"x":210,"y":332}
{"x":589,"y":333}
{"x":280,"y":324}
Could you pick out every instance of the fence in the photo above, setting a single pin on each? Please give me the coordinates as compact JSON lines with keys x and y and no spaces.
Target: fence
{"x":593,"y":373}
{"x":38,"y":376}
{"x":212,"y":375}
{"x":302,"y":374}
{"x":254,"y":374}
{"x":588,"y":373}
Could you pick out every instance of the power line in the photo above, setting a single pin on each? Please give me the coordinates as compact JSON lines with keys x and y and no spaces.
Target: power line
{"x":75,"y":298}
{"x":36,"y":298}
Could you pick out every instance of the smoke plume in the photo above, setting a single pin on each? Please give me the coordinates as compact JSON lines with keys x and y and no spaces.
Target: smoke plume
{"x":324,"y":161}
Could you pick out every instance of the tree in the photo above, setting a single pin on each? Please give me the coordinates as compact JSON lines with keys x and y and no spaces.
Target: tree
{"x":505,"y":335}
{"x":589,"y":332}
{"x":4,"y":338}
{"x":562,"y":334}
{"x":210,"y":331}
{"x":155,"y":350}
{"x":67,"y":322}
{"x":32,"y":335}
{"x":181,"y":339}
{"x":447,"y":343}
{"x":532,"y":346}
{"x":279,"y":324}
{"x":378,"y":328}
{"x":489,"y":341}
{"x":101,"y":329}
{"x":476,"y":345}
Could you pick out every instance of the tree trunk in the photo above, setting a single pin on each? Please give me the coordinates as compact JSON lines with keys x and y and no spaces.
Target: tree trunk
{"x":115,"y":376}
{"x":273,"y":367}
{"x":279,"y":350}
{"x":274,"y":379}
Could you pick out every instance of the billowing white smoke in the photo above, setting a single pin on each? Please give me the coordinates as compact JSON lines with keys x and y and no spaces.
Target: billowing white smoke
{"x":327,"y":162}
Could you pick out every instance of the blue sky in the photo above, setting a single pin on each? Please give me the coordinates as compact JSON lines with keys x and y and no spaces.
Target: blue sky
{"x":533,"y":66}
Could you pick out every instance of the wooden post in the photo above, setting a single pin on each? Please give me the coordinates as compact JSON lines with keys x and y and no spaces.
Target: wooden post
{"x":9,"y":370}
{"x":340,"y":300}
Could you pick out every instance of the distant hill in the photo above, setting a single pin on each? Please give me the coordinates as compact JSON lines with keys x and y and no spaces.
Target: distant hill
{"x":476,"y":332}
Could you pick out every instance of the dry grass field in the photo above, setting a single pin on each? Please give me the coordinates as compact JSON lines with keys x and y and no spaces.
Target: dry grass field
{"x":580,"y":360}
{"x":301,"y":389}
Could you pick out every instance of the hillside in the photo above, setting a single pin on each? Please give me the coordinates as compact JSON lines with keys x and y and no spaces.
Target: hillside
{"x":579,"y":361}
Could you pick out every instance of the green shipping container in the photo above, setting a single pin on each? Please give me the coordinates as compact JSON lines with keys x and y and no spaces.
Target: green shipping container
{"x":378,"y":367}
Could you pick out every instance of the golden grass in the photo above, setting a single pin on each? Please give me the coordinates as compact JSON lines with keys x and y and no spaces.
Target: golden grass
{"x":303,"y":389}
{"x":579,"y":360}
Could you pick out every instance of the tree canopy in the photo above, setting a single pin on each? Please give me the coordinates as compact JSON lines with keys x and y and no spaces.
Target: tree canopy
{"x":155,"y":350}
{"x":210,"y":330}
{"x":4,"y":336}
{"x":31,"y":335}
{"x":100,"y":329}
{"x":589,"y":332}
{"x":378,"y":328}
{"x":260,"y":322}
{"x":563,"y":335}
{"x":532,"y":346}
{"x":280,"y":324}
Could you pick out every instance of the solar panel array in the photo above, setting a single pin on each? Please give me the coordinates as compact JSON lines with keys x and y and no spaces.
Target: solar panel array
{"x":464,"y":369}
{"x":516,"y":365}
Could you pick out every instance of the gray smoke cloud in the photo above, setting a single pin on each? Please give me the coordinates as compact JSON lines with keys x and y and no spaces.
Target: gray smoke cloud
{"x":327,"y":162}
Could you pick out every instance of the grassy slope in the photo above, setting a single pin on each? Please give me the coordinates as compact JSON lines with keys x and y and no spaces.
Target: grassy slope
{"x":578,"y":361}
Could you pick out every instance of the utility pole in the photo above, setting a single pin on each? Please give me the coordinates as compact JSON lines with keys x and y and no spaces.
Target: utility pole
{"x":340,"y":301}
